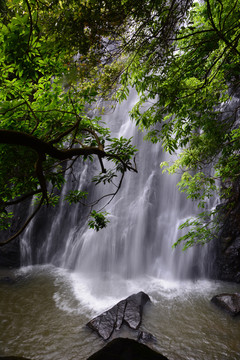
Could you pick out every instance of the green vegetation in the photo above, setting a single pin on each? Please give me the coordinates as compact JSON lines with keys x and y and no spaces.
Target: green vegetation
{"x":45,"y":97}
{"x":188,"y":79}
{"x":59,"y":58}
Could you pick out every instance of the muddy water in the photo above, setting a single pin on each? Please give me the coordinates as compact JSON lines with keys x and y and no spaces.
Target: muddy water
{"x":43,"y":313}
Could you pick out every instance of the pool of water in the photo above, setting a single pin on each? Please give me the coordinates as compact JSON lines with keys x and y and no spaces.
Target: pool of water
{"x":44,"y":311}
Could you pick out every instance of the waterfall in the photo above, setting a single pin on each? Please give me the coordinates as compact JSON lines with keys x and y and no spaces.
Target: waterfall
{"x":144,"y":220}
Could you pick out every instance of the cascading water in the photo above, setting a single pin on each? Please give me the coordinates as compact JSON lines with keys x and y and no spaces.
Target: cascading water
{"x":78,"y":273}
{"x":144,"y":219}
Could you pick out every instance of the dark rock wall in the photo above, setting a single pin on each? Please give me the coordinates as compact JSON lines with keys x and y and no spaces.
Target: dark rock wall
{"x":10,"y":255}
{"x":227,"y":248}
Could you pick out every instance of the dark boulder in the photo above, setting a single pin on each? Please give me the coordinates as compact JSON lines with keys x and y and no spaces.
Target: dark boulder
{"x":126,"y":349}
{"x":228,"y":302}
{"x":128,"y":311}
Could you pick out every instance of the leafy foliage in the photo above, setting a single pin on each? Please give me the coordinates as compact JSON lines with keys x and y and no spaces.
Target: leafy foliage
{"x":45,"y":99}
{"x":59,"y":58}
{"x":75,"y":196}
{"x":99,"y":220}
{"x":187,"y":77}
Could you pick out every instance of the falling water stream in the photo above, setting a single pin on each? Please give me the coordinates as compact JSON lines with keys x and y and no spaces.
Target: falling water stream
{"x":74,"y":273}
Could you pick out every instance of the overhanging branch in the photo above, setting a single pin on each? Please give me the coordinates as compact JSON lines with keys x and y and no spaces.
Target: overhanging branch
{"x":12,"y":137}
{"x":22,"y":198}
{"x":19,"y":232}
{"x":16,"y":138}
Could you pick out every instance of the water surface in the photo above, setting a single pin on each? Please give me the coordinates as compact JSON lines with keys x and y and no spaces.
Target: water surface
{"x":44,"y":311}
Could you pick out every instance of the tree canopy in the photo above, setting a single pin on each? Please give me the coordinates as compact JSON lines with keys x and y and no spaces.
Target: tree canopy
{"x":59,"y":58}
{"x":189,"y":81}
{"x":44,"y":113}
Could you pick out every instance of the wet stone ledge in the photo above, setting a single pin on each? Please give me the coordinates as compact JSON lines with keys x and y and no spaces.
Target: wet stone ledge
{"x":128,"y":311}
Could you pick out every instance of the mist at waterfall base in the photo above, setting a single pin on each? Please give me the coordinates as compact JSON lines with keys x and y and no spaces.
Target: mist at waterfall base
{"x":71,"y":273}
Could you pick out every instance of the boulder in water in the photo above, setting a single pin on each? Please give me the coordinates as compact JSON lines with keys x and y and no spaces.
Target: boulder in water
{"x":126,"y":349}
{"x":228,"y":302}
{"x":128,"y":311}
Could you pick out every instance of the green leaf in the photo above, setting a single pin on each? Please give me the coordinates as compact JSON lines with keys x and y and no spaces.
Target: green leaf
{"x":99,"y":220}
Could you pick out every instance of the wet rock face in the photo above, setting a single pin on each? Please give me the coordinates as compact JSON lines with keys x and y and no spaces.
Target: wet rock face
{"x":126,"y":349}
{"x":230,"y":262}
{"x":227,"y":248}
{"x":128,"y":311}
{"x":10,"y":255}
{"x":228,"y":302}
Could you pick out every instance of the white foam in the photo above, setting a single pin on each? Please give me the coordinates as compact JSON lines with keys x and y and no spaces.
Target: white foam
{"x":79,"y":293}
{"x":96,"y":295}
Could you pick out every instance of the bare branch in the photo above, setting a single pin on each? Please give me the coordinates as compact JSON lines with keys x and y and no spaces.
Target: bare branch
{"x":101,"y":163}
{"x":91,"y":131}
{"x":65,"y":133}
{"x":19,"y":232}
{"x":111,"y":195}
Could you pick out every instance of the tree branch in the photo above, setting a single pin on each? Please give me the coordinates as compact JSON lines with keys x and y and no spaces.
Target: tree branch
{"x":65,"y":133}
{"x":220,"y":33}
{"x":12,"y":137}
{"x":22,"y":198}
{"x":25,"y":224}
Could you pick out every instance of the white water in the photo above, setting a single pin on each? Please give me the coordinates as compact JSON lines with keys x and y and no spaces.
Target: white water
{"x":43,"y":315}
{"x":91,"y":271}
{"x":144,"y":220}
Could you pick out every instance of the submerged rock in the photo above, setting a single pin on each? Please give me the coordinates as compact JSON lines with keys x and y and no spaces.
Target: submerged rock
{"x":7,"y":280}
{"x":228,"y":302}
{"x":146,"y":337}
{"x":126,"y":349}
{"x":128,"y":311}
